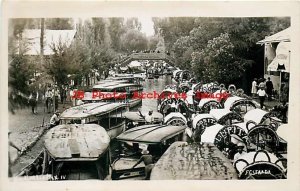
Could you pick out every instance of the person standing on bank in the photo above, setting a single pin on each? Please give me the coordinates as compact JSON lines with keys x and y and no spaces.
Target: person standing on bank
{"x":262,"y":83}
{"x":270,"y":88}
{"x":261,"y":94}
{"x":33,"y":99}
{"x":48,"y":96}
{"x":254,"y":87}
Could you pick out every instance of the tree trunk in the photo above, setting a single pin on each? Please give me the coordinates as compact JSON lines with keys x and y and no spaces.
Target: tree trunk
{"x":42,"y":40}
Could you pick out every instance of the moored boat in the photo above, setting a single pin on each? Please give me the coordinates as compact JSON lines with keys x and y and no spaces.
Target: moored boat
{"x":155,"y":138}
{"x":106,"y":114}
{"x":72,"y":152}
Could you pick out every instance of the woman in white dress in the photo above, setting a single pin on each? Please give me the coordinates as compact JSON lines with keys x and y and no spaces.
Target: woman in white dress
{"x":254,"y":87}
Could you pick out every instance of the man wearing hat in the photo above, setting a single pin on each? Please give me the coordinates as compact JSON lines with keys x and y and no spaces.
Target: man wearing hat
{"x":233,"y":145}
{"x":148,"y":161}
{"x":240,"y":149}
{"x":54,"y":119}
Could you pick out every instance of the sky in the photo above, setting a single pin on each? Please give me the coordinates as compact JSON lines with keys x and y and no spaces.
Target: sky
{"x":147,"y":25}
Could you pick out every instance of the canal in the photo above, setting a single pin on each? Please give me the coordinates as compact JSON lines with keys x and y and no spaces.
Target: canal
{"x":150,"y":85}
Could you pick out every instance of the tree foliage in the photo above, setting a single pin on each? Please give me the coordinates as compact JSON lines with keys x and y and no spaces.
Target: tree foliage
{"x":59,"y":23}
{"x":134,"y":40}
{"x":217,"y":48}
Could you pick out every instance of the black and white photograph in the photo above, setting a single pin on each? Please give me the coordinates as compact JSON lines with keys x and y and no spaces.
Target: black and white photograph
{"x":149,"y":97}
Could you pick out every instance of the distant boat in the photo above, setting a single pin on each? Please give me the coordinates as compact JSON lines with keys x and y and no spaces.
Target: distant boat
{"x":115,"y":91}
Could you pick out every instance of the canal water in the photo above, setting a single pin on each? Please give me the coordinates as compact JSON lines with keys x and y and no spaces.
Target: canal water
{"x":151,"y":85}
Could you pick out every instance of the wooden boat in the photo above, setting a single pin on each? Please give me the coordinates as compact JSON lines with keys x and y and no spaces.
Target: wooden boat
{"x":129,"y":78}
{"x":115,"y":92}
{"x":72,"y":152}
{"x":260,"y":165}
{"x":156,"y":138}
{"x":106,"y":114}
{"x":183,"y":161}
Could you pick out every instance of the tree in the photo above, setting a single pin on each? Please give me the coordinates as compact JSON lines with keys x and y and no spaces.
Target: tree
{"x":134,"y":40}
{"x":173,"y":28}
{"x":218,"y":62}
{"x":133,"y":24}
{"x":59,"y":23}
{"x":20,"y":69}
{"x":65,"y":61}
{"x":152,"y":42}
{"x":116,"y":29}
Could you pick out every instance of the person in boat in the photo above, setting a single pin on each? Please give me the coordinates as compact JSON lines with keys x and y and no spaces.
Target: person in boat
{"x":148,"y":161}
{"x":149,"y":117}
{"x":240,"y":151}
{"x":232,"y":148}
{"x":54,"y":119}
{"x":174,"y":105}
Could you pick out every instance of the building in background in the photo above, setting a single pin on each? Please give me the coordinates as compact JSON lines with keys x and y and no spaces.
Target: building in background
{"x":277,"y":58}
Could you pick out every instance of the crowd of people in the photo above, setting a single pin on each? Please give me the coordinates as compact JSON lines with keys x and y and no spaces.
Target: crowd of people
{"x":264,"y":89}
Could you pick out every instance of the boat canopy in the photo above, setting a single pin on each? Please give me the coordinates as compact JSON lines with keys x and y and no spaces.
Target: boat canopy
{"x":283,"y":131}
{"x":175,"y":72}
{"x":112,"y":81}
{"x":175,"y":115}
{"x":150,"y":134}
{"x":113,"y":85}
{"x":206,"y":118}
{"x":76,"y":142}
{"x":136,"y":116}
{"x":219,"y":113}
{"x":91,"y":109}
{"x":259,"y":116}
{"x":203,"y":101}
{"x":210,"y":133}
{"x":261,"y":157}
{"x":183,"y":161}
{"x":230,"y":100}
